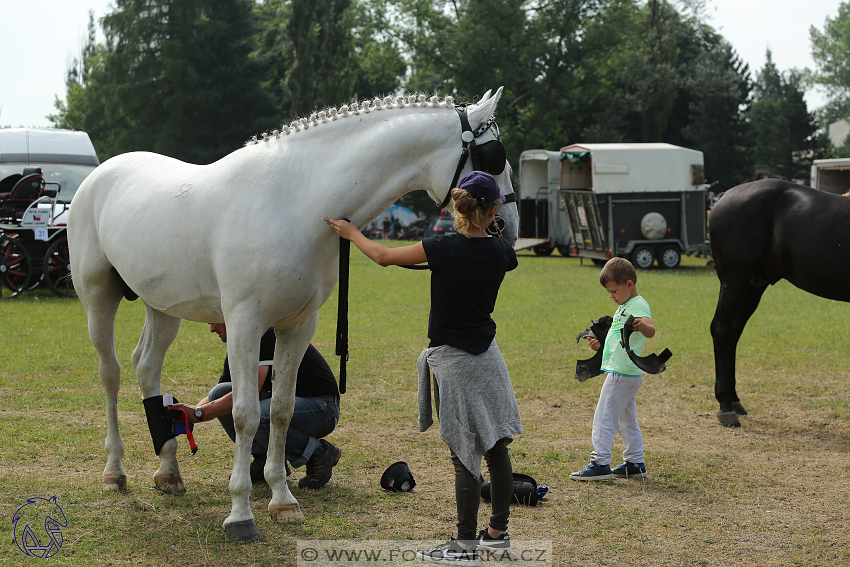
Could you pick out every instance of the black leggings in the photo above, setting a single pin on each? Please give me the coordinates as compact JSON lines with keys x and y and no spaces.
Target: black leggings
{"x":468,"y":491}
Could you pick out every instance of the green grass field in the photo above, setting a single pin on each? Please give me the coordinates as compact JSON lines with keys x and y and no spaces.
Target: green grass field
{"x":771,"y":493}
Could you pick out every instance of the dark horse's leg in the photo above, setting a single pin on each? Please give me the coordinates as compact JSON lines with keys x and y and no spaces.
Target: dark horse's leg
{"x":737,"y":302}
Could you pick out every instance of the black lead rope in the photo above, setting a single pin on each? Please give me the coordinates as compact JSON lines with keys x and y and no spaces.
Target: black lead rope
{"x":342,"y":308}
{"x":342,"y":311}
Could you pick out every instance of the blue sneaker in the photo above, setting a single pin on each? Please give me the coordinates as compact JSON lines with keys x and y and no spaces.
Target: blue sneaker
{"x":627,"y":470}
{"x":593,"y":471}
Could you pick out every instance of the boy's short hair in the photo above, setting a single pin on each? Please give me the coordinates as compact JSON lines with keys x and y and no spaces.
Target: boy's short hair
{"x":617,"y":270}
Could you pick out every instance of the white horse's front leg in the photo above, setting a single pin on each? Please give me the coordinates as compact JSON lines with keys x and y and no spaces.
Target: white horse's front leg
{"x":289,"y":350}
{"x":243,"y":346}
{"x":159,"y":332}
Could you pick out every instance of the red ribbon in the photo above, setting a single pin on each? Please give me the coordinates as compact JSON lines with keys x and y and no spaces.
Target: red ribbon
{"x":189,"y":435}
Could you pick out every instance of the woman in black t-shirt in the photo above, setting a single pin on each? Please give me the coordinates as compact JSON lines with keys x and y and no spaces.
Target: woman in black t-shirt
{"x":477,"y":408}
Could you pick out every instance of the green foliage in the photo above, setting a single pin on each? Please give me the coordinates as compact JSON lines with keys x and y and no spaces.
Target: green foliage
{"x":784,"y":132}
{"x":174,"y":77}
{"x":195,"y":78}
{"x":719,"y":106}
{"x":830,"y":49}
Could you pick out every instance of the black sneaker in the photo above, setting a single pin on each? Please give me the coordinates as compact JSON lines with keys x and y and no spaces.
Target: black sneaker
{"x":257,"y":466}
{"x":593,"y":471}
{"x":450,"y":552}
{"x":628,"y":469}
{"x":501,"y":543}
{"x":320,"y":464}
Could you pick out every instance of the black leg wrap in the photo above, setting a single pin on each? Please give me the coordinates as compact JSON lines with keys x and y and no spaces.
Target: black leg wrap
{"x":590,"y":367}
{"x":162,"y":429}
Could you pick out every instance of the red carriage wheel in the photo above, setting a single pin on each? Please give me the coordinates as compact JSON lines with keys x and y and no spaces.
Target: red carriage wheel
{"x":15,"y":266}
{"x":57,"y":269}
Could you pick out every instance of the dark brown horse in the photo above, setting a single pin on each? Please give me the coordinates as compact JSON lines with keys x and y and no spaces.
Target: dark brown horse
{"x":762,"y":232}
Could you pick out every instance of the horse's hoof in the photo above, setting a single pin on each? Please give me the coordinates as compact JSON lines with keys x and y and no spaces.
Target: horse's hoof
{"x":739,"y":408}
{"x":283,"y":513}
{"x":246,"y":530}
{"x":114,"y":483}
{"x":169,"y":483}
{"x":728,"y":419}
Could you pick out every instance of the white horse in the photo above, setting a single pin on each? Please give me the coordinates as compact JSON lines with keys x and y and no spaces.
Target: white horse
{"x":243,"y":241}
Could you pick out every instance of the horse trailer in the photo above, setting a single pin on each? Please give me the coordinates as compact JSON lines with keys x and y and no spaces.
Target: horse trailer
{"x":638,"y":201}
{"x":543,"y":220}
{"x":831,"y":175}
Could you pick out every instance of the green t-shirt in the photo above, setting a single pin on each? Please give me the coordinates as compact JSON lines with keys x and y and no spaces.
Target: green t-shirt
{"x":614,"y":356}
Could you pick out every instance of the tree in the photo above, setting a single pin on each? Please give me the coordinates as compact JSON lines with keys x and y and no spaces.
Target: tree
{"x":532,"y":49}
{"x":321,"y":53}
{"x":831,"y":53}
{"x":784,"y":132}
{"x":175,"y":77}
{"x":718,"y":109}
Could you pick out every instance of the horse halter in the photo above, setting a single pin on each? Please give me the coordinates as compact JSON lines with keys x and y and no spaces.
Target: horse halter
{"x":488,"y":157}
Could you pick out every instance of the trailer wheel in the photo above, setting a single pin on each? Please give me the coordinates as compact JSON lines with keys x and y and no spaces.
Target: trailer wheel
{"x":669,"y":258}
{"x":643,"y":257}
{"x":542,"y":250}
{"x":564,"y":251}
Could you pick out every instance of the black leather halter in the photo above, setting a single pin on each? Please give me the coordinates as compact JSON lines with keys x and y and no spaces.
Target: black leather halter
{"x":488,"y":157}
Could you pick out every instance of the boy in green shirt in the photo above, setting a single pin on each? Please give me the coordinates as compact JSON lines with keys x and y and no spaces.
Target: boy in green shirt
{"x":617,"y":407}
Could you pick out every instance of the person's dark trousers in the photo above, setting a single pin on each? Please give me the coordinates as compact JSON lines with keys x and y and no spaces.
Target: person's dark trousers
{"x":312,"y":419}
{"x":468,"y":492}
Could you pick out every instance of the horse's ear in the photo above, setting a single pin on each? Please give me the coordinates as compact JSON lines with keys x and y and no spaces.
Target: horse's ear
{"x":481,"y":112}
{"x":486,"y":96}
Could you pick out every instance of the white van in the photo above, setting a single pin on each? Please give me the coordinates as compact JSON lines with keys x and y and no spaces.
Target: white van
{"x":66,"y":157}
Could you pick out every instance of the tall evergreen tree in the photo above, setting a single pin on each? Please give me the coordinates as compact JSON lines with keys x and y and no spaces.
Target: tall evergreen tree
{"x":784,"y":131}
{"x":175,"y":77}
{"x":718,"y":109}
{"x":324,"y":52}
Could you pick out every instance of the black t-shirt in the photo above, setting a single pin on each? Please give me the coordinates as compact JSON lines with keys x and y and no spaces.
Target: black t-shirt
{"x":315,"y":377}
{"x":465,"y":277}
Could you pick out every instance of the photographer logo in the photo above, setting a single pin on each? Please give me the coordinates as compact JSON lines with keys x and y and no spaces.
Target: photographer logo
{"x":37,"y":527}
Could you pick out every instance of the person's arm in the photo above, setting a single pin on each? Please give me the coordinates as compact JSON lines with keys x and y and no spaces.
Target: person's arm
{"x":221,"y":406}
{"x":644,"y":326}
{"x":378,"y":253}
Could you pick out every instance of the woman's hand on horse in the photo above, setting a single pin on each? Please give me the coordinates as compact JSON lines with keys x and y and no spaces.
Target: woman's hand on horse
{"x":344,"y":228}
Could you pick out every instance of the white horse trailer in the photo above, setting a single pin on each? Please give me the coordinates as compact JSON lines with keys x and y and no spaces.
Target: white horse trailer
{"x":637,"y":201}
{"x":543,"y":220}
{"x":831,"y":175}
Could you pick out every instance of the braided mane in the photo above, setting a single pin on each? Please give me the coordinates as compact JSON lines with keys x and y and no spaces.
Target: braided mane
{"x":353,"y":109}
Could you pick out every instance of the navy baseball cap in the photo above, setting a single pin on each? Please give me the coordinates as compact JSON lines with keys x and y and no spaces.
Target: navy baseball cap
{"x":482,"y":186}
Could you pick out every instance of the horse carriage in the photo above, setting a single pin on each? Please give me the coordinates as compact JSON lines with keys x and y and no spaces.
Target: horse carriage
{"x":40,"y":171}
{"x":33,"y":245}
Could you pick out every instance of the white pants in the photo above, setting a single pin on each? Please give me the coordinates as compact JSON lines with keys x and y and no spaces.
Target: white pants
{"x":617,"y":410}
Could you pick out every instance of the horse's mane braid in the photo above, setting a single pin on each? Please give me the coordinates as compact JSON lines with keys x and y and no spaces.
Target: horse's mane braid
{"x":352,"y":109}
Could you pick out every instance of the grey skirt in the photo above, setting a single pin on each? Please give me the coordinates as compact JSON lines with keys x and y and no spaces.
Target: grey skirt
{"x":474,"y":398}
